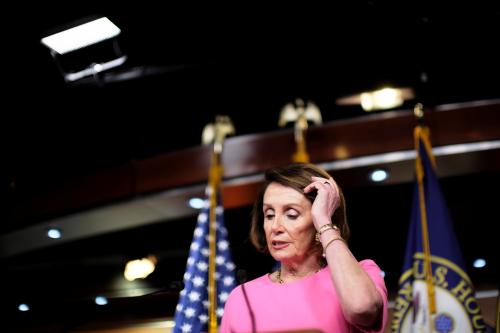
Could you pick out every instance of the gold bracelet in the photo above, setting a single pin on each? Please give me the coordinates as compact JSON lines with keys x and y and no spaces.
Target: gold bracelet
{"x":331,"y":241}
{"x":324,"y":228}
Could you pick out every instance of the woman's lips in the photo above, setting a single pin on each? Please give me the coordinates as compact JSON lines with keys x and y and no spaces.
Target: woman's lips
{"x":277,"y":245}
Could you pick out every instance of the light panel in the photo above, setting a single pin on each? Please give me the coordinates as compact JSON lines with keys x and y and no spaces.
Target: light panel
{"x":81,"y":36}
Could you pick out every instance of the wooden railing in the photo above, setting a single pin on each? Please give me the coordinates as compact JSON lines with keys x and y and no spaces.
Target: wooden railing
{"x":251,"y":154}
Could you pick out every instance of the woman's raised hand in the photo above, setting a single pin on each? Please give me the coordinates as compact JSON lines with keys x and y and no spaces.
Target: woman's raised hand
{"x":327,"y":199}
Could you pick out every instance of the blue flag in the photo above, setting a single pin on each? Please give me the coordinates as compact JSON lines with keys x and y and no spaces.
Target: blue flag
{"x":451,"y":294}
{"x":191,"y":314}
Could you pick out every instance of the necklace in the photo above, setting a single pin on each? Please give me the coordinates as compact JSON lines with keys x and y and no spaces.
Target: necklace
{"x":278,"y":276}
{"x":281,"y":281}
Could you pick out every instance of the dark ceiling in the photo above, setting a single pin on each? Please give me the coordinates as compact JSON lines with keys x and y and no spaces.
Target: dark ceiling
{"x":245,"y":62}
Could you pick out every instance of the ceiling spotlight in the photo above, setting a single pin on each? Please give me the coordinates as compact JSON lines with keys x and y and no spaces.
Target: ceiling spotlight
{"x":23,"y":307}
{"x":382,"y":99}
{"x":101,"y":300}
{"x":54,"y":233}
{"x":196,"y":203}
{"x":86,"y":49}
{"x":479,"y":263}
{"x":140,"y":268}
{"x":81,"y":35}
{"x":379,"y":175}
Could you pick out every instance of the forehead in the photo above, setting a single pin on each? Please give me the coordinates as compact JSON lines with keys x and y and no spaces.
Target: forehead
{"x":277,"y":194}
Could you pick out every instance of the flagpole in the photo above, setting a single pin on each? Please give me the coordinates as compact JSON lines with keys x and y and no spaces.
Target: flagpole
{"x":214,"y":181}
{"x":217,"y":133}
{"x":421,"y":133}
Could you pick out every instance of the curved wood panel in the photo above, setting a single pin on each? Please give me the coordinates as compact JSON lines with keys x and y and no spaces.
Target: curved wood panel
{"x":251,"y":154}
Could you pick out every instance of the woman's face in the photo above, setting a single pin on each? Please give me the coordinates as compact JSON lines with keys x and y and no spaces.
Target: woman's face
{"x":287,"y":223}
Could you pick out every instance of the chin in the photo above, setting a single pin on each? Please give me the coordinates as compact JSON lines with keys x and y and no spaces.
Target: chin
{"x":280,"y":256}
{"x":276,"y":256}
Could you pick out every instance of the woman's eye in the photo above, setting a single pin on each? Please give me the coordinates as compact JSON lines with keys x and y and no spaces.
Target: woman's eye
{"x":292,"y":214}
{"x":269,"y":216}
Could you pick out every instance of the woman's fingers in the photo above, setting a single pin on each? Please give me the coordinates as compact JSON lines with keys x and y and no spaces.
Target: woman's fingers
{"x":317,"y":183}
{"x":326,"y":181}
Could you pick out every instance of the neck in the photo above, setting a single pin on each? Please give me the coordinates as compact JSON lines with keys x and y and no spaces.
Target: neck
{"x":290,"y":271}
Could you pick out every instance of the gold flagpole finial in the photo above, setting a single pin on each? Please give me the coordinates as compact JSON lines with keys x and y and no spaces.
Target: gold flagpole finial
{"x":214,"y":133}
{"x":300,"y":113}
{"x":418,"y":111}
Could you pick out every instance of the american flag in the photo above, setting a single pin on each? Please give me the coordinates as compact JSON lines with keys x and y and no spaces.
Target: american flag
{"x":191,"y":315}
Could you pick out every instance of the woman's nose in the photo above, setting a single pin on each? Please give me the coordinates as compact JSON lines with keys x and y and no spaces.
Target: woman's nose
{"x":277,"y":225}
